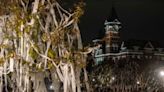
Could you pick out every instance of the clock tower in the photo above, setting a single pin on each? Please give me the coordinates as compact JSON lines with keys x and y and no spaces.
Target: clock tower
{"x":112,"y":36}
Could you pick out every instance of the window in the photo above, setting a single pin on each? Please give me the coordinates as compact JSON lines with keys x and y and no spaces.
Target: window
{"x":136,"y":48}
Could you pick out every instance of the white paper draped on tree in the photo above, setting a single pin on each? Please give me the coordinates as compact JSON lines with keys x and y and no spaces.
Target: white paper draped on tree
{"x":40,"y":42}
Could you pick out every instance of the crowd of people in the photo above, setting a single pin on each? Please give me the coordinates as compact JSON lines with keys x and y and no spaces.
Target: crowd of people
{"x":124,"y":75}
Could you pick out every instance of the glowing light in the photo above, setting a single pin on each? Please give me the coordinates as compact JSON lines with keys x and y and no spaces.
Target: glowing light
{"x":162,"y":73}
{"x":113,"y":78}
{"x":51,"y":87}
{"x":138,"y":82}
{"x":93,"y":79}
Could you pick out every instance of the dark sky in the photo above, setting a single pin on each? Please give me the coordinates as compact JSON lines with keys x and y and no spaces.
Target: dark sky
{"x":141,"y":19}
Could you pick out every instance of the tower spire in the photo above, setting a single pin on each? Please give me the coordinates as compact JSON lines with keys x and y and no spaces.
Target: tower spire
{"x":113,"y":14}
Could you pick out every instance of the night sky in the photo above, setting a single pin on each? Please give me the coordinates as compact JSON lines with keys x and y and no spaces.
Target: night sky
{"x":141,"y":19}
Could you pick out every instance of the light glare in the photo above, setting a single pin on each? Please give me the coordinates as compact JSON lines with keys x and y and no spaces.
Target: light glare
{"x":113,"y":78}
{"x":51,"y":87}
{"x":138,"y":82}
{"x":162,"y":73}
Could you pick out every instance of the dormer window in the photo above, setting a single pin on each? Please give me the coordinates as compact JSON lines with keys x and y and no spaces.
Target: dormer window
{"x":149,"y":46}
{"x":160,"y":49}
{"x":136,"y":48}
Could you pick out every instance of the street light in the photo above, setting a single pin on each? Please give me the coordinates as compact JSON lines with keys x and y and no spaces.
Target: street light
{"x":138,"y":82}
{"x":162,"y":73}
{"x":51,"y":87}
{"x":113,"y":78}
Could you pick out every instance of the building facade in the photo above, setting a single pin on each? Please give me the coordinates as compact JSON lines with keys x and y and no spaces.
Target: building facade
{"x":113,"y":48}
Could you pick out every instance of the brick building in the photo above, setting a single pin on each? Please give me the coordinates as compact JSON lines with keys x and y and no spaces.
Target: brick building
{"x":113,"y":48}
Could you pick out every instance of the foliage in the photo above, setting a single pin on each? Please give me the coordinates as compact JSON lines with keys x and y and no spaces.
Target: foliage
{"x":40,"y":39}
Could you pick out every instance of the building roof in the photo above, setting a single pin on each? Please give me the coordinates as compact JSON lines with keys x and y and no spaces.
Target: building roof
{"x":142,"y":44}
{"x":113,"y":15}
